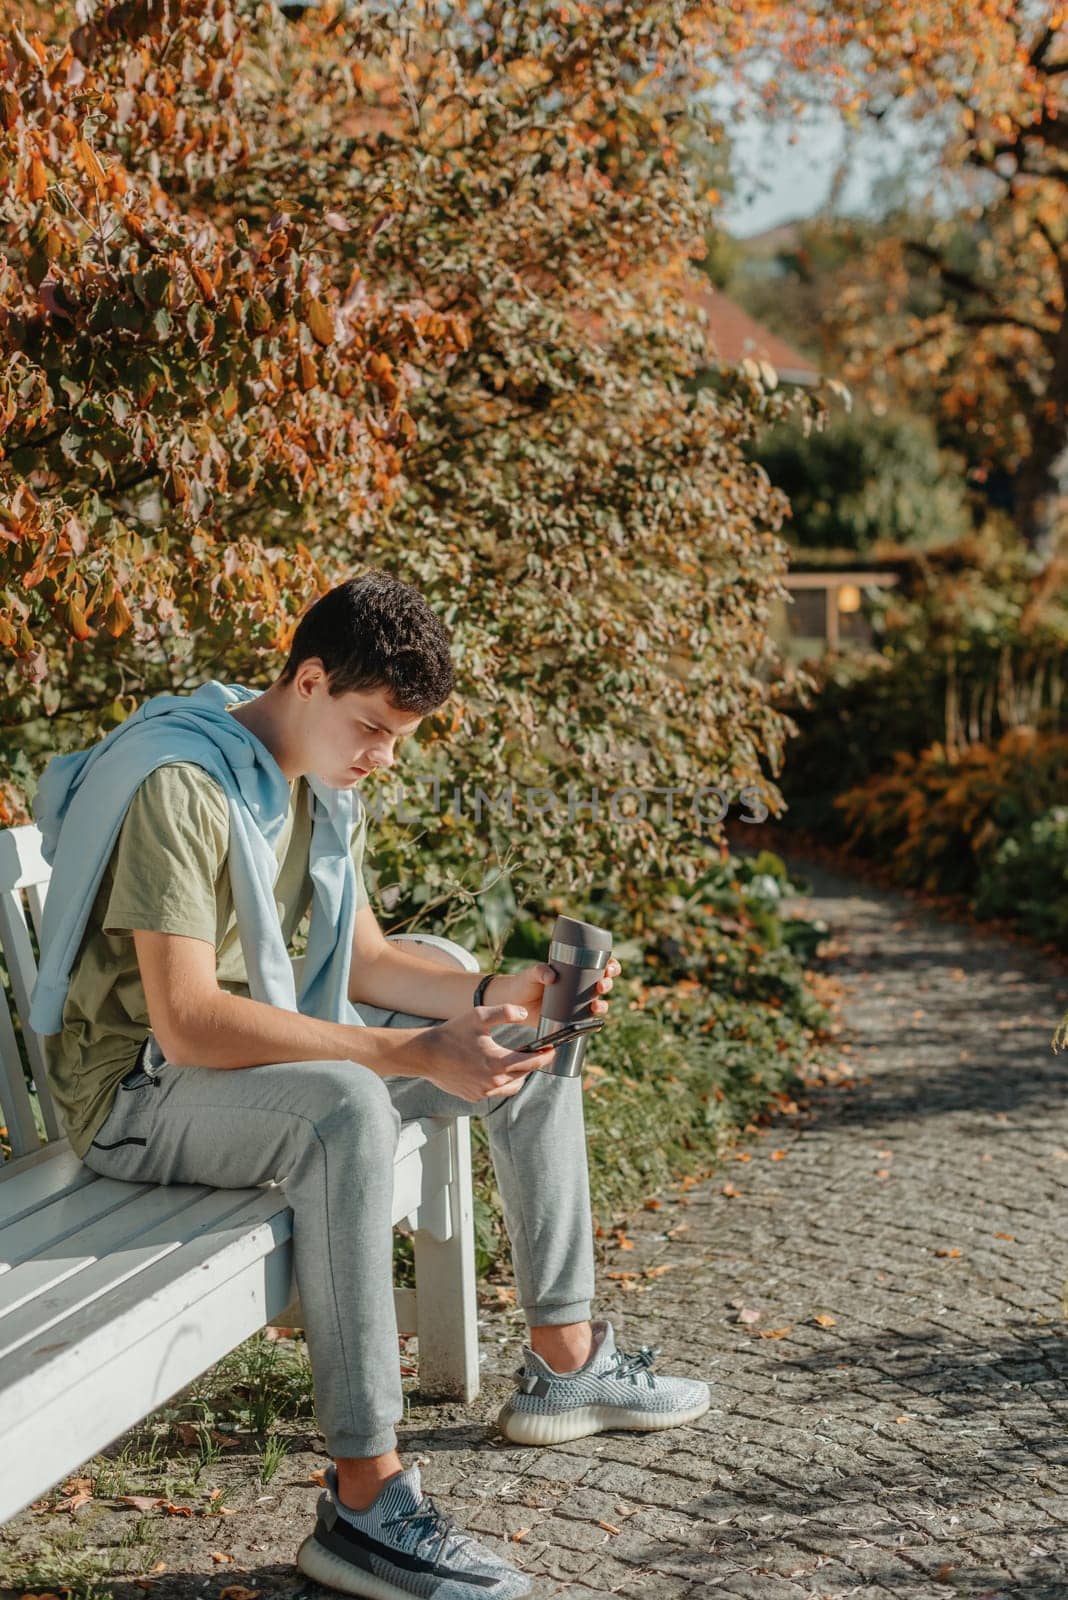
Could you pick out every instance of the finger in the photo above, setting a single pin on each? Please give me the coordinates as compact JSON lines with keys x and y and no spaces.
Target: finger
{"x":493,"y":1016}
{"x":511,"y":1088}
{"x":613,"y":968}
{"x":546,"y":974}
{"x":604,"y":984}
{"x":522,"y":1061}
{"x":598,"y":1005}
{"x":508,"y":1082}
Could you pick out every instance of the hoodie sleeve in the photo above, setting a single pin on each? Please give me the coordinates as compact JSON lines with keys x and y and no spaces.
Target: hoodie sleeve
{"x":169,"y":855}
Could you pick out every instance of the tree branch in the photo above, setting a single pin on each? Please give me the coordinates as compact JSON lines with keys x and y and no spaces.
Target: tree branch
{"x":951,"y":276}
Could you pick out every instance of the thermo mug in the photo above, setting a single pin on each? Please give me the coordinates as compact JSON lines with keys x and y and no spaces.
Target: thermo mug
{"x":579,"y":954}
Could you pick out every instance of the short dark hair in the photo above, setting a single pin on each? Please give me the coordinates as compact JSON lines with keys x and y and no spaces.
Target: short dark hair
{"x":375,"y":632}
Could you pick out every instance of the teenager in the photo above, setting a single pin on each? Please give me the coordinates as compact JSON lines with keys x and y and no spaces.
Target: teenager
{"x":187,"y":848}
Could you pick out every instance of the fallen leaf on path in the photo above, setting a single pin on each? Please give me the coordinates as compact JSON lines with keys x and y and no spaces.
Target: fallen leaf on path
{"x":621,"y":1277}
{"x":1011,"y":1237}
{"x":651,"y":1204}
{"x":521,"y":1533}
{"x":774,"y":1333}
{"x":743,"y":1155}
{"x":882,"y":1173}
{"x":779,"y":1155}
{"x":317,"y":1478}
{"x":141,"y":1502}
{"x":825,"y":1320}
{"x":749,"y":1314}
{"x":176,"y":1511}
{"x":220,"y":1555}
{"x":952,"y":1253}
{"x":730,"y":1191}
{"x":609,"y":1527}
{"x":658,"y":1272}
{"x":235,"y":1591}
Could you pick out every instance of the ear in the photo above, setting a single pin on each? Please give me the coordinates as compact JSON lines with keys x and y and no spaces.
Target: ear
{"x":310,"y":673}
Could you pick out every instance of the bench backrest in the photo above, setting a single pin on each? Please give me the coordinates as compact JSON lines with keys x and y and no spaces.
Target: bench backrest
{"x":24,"y":876}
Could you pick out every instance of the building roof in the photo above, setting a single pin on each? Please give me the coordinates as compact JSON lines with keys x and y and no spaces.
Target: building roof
{"x":734,"y":334}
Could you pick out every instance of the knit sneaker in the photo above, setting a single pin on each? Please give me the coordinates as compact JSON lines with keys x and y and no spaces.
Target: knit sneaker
{"x":612,"y":1390}
{"x":401,"y":1546}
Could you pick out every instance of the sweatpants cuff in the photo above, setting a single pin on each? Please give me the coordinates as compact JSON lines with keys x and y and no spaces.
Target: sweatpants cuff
{"x":359,"y":1446}
{"x":552,"y":1316}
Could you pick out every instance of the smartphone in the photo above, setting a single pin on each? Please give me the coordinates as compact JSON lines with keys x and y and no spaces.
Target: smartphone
{"x":573,"y":1030}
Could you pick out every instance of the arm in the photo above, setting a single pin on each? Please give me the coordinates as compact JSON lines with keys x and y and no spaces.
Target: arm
{"x":399,"y":980}
{"x":198,"y":1024}
{"x":405,"y":979}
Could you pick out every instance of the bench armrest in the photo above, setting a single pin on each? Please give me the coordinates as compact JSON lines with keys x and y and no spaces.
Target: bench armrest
{"x":438,"y":948}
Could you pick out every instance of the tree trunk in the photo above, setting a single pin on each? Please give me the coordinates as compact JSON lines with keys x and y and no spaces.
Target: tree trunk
{"x":1041,"y":486}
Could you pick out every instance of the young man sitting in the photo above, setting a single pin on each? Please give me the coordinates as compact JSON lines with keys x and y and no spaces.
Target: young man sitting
{"x":188,"y":847}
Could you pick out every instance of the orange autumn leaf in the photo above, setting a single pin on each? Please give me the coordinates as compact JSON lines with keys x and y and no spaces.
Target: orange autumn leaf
{"x":774,"y":1333}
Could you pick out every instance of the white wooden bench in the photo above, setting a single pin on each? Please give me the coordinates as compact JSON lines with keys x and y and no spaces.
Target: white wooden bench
{"x":114,"y":1296}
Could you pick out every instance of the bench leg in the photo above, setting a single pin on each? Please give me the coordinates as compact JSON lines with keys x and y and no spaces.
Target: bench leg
{"x":446,"y":1303}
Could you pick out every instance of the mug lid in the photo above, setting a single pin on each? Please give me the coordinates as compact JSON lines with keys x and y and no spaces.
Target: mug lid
{"x":570,"y":930}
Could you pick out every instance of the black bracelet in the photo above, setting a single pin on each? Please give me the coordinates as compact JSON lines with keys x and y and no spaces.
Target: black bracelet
{"x":483,"y":985}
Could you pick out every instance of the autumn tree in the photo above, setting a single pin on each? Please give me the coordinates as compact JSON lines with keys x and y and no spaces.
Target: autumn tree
{"x":971,"y":308}
{"x":287,"y":297}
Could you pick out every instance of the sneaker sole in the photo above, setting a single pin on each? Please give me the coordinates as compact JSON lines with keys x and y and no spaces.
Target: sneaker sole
{"x":528,"y":1427}
{"x":333,"y":1573}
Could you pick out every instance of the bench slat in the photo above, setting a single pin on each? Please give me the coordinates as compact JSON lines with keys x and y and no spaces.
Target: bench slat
{"x":62,"y":1304}
{"x":15,"y":940}
{"x":50,"y":1173}
{"x":59,"y":1219}
{"x":109,"y":1235}
{"x":21,"y":860}
{"x":16,"y":1111}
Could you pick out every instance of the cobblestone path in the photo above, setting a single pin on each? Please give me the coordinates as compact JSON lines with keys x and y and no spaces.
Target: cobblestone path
{"x":893,"y":1423}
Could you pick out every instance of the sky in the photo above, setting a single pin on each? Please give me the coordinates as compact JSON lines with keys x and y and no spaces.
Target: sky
{"x":778,"y":181}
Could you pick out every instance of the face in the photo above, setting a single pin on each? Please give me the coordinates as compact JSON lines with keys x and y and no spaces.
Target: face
{"x":347,"y":736}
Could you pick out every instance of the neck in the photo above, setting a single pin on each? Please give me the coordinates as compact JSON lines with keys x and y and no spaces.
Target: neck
{"x":266,"y":717}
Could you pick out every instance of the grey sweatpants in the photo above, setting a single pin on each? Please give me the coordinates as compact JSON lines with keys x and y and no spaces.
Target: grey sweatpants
{"x":327,"y":1131}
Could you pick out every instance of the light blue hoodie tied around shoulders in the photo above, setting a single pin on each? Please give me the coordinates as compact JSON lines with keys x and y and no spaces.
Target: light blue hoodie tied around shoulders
{"x":79,"y":808}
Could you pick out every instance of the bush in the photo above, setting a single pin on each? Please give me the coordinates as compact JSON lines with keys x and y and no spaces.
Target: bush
{"x":975,"y":823}
{"x":1027,"y":879}
{"x":866,"y":479}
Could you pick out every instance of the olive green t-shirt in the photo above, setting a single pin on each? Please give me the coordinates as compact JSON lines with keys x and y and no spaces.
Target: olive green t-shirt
{"x":168,"y":873}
